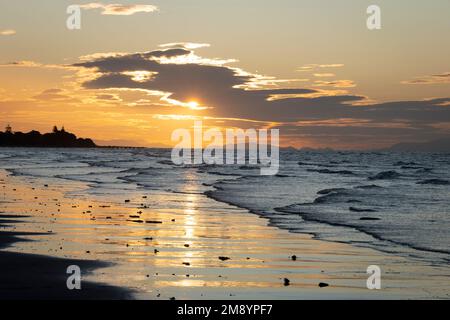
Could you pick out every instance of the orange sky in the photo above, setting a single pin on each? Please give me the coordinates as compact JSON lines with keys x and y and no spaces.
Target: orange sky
{"x":309,"y":68}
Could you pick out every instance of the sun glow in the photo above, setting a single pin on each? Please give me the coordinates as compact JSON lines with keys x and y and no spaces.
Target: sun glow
{"x":193,"y":104}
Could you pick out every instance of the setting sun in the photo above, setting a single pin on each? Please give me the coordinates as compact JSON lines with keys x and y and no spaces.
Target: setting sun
{"x":193,"y":104}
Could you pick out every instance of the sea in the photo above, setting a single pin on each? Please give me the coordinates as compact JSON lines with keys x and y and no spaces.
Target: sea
{"x":389,"y":201}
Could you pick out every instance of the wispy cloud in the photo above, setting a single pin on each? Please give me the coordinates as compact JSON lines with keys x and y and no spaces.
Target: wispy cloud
{"x":8,"y":32}
{"x":52,"y":95}
{"x":120,"y":9}
{"x":335,"y":83}
{"x":324,"y":75}
{"x":334,"y":65}
{"x":313,"y":66}
{"x":433,"y":79}
{"x":30,"y":64}
{"x":185,"y":45}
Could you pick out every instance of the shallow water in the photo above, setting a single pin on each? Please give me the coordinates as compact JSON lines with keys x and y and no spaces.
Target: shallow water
{"x":391,"y":201}
{"x":394,"y":202}
{"x":394,"y":214}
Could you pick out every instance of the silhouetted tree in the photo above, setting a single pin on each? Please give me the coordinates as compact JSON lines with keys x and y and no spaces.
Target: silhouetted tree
{"x":34,"y":138}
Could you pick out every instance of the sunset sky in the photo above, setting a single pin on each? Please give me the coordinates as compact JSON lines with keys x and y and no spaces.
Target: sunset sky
{"x":138,"y":70}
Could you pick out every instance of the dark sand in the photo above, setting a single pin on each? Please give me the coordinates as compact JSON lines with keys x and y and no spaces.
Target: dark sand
{"x":36,"y":277}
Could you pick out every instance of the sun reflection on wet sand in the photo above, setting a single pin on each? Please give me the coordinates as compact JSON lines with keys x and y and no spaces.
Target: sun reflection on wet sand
{"x":166,"y":244}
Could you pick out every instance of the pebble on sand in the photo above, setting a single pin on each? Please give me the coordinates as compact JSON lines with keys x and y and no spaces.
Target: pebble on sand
{"x":224,"y":258}
{"x":286,"y":282}
{"x":323,"y":285}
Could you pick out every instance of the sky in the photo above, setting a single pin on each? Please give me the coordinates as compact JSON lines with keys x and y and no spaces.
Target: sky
{"x":136,"y":71}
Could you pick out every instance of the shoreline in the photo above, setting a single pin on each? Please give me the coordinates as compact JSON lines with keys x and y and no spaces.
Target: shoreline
{"x":37,"y":277}
{"x":408,"y":252}
{"x":260,"y":255}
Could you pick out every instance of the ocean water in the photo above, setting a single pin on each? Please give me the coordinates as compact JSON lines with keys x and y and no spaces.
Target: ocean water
{"x":393,"y":202}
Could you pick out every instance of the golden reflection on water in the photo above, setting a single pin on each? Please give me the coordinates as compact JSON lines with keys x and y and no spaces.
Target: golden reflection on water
{"x":190,"y":211}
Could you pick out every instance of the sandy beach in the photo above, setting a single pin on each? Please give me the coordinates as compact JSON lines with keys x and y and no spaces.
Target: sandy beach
{"x":208,"y":250}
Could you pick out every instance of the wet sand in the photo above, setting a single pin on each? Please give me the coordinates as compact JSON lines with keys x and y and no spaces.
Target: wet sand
{"x":30,"y":276}
{"x":202,"y":249}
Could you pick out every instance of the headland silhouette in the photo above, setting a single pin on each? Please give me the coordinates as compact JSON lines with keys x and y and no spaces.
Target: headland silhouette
{"x":56,"y":139}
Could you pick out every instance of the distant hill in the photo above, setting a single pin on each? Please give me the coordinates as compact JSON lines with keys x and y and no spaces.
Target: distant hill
{"x":438,"y":146}
{"x":56,"y":139}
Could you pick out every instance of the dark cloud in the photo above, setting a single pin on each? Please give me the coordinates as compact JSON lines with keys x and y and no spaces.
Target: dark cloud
{"x":225,"y":90}
{"x":169,"y":53}
{"x":131,"y":62}
{"x":107,"y":97}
